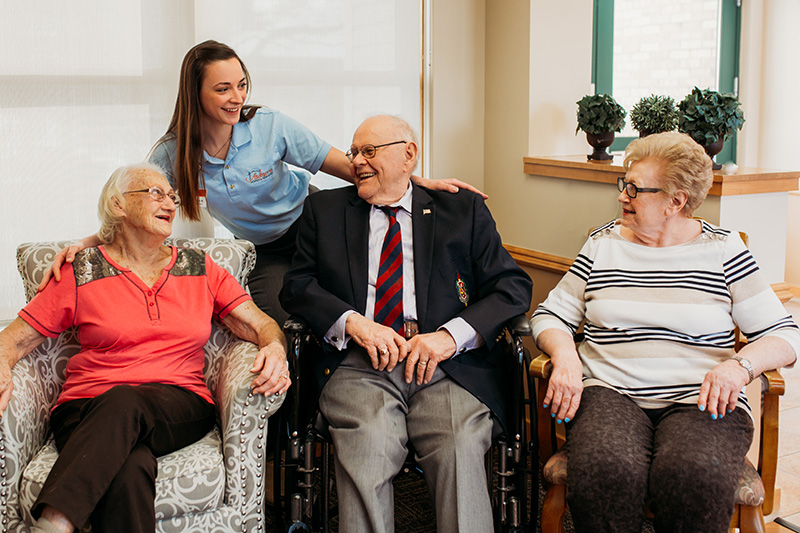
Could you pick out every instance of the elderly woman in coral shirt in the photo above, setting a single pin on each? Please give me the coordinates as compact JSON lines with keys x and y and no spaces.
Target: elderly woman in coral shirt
{"x":135,"y":390}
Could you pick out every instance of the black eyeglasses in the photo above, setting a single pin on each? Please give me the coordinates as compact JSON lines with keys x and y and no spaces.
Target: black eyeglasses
{"x":632,"y":190}
{"x":157,"y":194}
{"x":368,"y":150}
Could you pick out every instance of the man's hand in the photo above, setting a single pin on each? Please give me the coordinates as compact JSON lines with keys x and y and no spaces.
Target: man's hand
{"x":383,"y":345}
{"x":425,"y":353}
{"x":272,"y":369}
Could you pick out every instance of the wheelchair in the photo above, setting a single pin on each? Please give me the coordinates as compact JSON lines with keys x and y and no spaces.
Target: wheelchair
{"x":302,"y":447}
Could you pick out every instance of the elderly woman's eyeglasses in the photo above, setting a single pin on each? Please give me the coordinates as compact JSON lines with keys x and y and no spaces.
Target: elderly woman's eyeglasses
{"x":157,"y":194}
{"x":632,"y":190}
{"x":368,"y":150}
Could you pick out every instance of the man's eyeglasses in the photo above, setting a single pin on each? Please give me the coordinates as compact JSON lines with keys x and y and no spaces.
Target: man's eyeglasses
{"x":368,"y":150}
{"x":157,"y":194}
{"x":632,"y":190}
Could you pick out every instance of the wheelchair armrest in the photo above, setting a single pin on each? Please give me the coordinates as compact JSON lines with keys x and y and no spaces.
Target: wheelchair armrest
{"x":295,"y":326}
{"x":519,"y":326}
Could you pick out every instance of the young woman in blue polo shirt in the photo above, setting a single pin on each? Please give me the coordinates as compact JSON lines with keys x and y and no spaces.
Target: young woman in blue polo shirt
{"x":233,"y":159}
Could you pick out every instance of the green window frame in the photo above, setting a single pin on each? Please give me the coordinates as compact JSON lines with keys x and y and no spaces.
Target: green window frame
{"x":728,"y":81}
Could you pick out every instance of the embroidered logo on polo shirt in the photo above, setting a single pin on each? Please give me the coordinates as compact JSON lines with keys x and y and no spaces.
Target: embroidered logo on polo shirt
{"x":257,"y":175}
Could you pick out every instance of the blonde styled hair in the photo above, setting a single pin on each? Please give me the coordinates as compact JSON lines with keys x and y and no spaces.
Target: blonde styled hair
{"x":112,"y":196}
{"x":686,"y":166}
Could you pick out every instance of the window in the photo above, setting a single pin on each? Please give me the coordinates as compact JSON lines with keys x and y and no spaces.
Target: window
{"x":82,"y":95}
{"x":665,"y":47}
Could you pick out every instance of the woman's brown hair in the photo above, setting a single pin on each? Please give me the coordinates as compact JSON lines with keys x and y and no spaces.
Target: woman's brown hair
{"x":186,"y":127}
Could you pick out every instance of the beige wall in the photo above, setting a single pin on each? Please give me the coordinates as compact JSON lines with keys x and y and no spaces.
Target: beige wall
{"x":507,"y":74}
{"x":769,"y":81}
{"x":507,"y":93}
{"x":457,"y":146}
{"x":538,"y":64}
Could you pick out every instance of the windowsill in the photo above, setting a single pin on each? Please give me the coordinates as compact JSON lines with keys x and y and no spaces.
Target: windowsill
{"x":743,"y":180}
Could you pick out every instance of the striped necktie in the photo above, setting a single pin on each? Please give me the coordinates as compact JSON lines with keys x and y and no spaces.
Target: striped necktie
{"x":389,"y":287}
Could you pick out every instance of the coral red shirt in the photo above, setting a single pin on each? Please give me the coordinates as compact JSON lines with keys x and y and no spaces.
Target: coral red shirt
{"x":131,"y":333}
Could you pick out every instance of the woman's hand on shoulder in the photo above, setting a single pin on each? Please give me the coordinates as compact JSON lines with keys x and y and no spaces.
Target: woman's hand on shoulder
{"x":448,"y":185}
{"x":66,"y":255}
{"x":272,"y":369}
{"x":720,"y":389}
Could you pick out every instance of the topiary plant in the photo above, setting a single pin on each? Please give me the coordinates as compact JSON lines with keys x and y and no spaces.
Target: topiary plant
{"x":708,"y":116}
{"x":600,"y":113}
{"x":654,"y":114}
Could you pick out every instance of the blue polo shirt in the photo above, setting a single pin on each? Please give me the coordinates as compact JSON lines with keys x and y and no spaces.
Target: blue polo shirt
{"x":254,"y":192}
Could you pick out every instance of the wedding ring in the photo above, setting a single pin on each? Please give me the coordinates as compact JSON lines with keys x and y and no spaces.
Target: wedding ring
{"x":423,"y":362}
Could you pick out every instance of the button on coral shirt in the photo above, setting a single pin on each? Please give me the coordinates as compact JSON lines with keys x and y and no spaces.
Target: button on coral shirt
{"x":131,"y":333}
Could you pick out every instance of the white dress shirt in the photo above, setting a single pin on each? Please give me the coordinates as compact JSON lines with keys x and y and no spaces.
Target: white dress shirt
{"x":465,"y":336}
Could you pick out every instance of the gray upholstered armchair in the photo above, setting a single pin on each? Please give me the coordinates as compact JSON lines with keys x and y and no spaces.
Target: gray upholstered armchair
{"x":216,"y":484}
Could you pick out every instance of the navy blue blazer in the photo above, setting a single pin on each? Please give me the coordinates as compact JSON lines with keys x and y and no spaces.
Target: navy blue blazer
{"x":455,"y":237}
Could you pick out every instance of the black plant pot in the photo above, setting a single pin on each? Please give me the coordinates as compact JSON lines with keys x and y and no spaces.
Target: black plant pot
{"x":713,"y":149}
{"x":600,"y":142}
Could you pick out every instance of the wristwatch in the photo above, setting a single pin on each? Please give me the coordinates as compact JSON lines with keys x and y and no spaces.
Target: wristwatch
{"x":746,"y":364}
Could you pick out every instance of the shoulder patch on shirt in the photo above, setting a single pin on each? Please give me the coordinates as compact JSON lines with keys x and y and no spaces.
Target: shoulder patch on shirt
{"x":190,"y":262}
{"x":603,"y":230}
{"x":90,"y":265}
{"x":714,"y":230}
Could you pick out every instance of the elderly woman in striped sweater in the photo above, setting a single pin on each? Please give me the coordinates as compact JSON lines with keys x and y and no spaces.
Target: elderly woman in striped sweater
{"x":653,"y":397}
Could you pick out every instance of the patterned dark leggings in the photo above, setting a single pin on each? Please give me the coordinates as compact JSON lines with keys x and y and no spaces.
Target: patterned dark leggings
{"x":619,"y":454}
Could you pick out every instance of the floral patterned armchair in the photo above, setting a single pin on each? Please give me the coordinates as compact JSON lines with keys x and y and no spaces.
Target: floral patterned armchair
{"x":215,"y":484}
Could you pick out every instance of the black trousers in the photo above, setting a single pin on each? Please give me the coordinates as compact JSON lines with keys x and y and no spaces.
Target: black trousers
{"x":686,"y":462}
{"x":106,"y":469}
{"x":273,"y":260}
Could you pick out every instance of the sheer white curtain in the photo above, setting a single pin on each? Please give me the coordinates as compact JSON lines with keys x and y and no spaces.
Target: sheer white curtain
{"x":87,"y":86}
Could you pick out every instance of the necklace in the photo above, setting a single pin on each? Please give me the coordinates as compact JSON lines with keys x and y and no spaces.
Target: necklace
{"x":223,"y":145}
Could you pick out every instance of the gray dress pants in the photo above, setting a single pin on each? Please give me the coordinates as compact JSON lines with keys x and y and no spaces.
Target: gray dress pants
{"x":373,"y":415}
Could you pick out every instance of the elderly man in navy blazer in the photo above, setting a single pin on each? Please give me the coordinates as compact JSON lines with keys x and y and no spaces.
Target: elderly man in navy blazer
{"x":410,"y":289}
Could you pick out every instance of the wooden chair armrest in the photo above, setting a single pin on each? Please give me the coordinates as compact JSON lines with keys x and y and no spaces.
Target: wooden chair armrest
{"x":772,"y":388}
{"x":773,"y":383}
{"x":541,"y":367}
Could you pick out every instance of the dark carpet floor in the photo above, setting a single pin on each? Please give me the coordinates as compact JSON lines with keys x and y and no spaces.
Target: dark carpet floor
{"x":414,"y":511}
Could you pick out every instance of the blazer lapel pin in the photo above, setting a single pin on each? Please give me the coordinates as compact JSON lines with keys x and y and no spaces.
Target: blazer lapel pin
{"x":426,"y":211}
{"x":463,"y":297}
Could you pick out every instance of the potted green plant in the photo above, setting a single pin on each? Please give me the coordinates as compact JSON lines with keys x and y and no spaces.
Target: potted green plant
{"x":600,"y":116}
{"x":710,"y":118}
{"x":654,"y":114}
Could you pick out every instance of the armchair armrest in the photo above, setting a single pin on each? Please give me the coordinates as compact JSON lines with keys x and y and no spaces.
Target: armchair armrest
{"x":25,"y":424}
{"x":243,"y":418}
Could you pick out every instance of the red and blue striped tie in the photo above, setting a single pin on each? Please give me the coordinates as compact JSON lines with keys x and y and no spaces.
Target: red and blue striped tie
{"x":389,"y":287}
